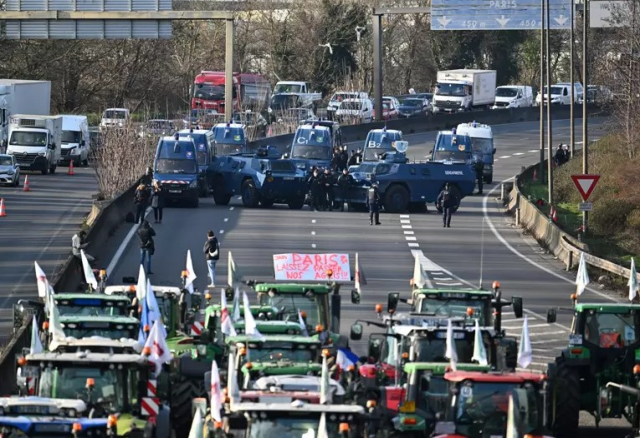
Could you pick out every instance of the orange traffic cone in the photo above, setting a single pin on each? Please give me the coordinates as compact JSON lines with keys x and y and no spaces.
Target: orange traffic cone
{"x":70,"y":168}
{"x":2,"y":212}
{"x":26,"y":187}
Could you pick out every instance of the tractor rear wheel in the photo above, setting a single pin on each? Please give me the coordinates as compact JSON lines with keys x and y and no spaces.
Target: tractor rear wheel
{"x":565,"y":399}
{"x":183,"y":391}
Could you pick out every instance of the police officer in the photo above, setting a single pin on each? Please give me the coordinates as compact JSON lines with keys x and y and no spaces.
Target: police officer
{"x":353,"y":160}
{"x":373,"y":202}
{"x":478,"y":166}
{"x":445,"y":201}
{"x":344,"y":158}
{"x":329,"y":181}
{"x":315,"y":190}
{"x":147,"y":179}
{"x":345,"y":181}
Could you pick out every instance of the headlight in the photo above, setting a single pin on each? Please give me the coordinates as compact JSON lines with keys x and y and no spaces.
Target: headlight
{"x":41,"y":154}
{"x":120,"y":124}
{"x":194,"y":184}
{"x":71,"y":413}
{"x":10,"y":172}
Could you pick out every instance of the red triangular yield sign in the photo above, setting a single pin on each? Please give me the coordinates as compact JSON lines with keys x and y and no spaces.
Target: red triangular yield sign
{"x":585,"y":184}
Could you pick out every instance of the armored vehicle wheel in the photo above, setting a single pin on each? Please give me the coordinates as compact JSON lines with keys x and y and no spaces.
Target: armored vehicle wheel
{"x":296,"y":204}
{"x":396,"y":199}
{"x":266,"y":203}
{"x":250,"y":195}
{"x":183,"y":391}
{"x":564,"y":399}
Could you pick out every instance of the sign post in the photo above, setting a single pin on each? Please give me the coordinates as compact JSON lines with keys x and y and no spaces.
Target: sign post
{"x":585,"y":185}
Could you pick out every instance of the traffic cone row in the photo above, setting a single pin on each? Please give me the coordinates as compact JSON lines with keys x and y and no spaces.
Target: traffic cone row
{"x":553,"y":214}
{"x":70,"y":168}
{"x":25,"y":186}
{"x":2,"y":212}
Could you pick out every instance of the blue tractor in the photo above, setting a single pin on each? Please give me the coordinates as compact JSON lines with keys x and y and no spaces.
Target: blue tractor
{"x":406,"y":185}
{"x":260,"y":178}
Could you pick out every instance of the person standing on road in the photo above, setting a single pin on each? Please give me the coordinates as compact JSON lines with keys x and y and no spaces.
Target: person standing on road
{"x":478,"y":166}
{"x":78,"y":243}
{"x":315,"y":190}
{"x":373,"y":202}
{"x":147,"y":178}
{"x":353,"y":160}
{"x":329,"y":181}
{"x":445,"y":201}
{"x":211,"y":255}
{"x":142,"y":199}
{"x":157,"y":202}
{"x":345,"y":181}
{"x":147,"y":245}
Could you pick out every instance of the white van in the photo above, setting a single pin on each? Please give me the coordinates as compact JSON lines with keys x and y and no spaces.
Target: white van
{"x":356,"y":110}
{"x":482,"y":145}
{"x":339,"y":96}
{"x":513,"y":96}
{"x":76,"y":141}
{"x":560,"y":95}
{"x":114,"y":118}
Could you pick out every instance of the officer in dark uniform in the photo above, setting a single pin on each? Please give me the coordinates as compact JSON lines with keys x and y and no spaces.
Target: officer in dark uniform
{"x":373,"y":202}
{"x":329,"y":181}
{"x":445,"y":201}
{"x":478,"y":166}
{"x":344,"y":158}
{"x":315,"y":190}
{"x":345,"y":181}
{"x":147,"y":178}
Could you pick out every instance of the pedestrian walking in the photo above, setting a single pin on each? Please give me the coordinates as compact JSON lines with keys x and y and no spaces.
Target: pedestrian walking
{"x":211,"y":255}
{"x":157,"y":202}
{"x":478,"y":166}
{"x":147,"y":245}
{"x":373,"y":202}
{"x":142,"y":198}
{"x":446,"y":202}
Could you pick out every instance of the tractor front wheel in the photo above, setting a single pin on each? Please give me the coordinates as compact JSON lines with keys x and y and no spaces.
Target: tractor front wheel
{"x":565,"y":399}
{"x":183,"y":391}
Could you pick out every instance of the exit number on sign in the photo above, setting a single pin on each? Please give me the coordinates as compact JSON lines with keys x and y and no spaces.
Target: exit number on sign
{"x":586,"y":206}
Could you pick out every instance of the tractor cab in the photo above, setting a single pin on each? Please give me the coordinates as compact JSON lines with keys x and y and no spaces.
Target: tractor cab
{"x":274,"y":355}
{"x":96,"y":333}
{"x":478,"y":404}
{"x":287,"y":388}
{"x":83,"y":304}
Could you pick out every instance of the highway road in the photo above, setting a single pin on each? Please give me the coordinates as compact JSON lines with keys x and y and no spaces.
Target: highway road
{"x":38,"y":227}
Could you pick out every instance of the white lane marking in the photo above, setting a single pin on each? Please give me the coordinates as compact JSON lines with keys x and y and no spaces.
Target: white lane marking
{"x":449,"y":284}
{"x":533,"y":150}
{"x":123,"y":246}
{"x":414,"y":245}
{"x":313,"y":245}
{"x":313,"y":221}
{"x":485,"y":211}
{"x":519,"y":153}
{"x":221,"y":231}
{"x":404,"y":216}
{"x":412,"y":238}
{"x":505,"y":156}
{"x":313,"y":233}
{"x":442,"y":278}
{"x":231,"y":208}
{"x":409,"y":232}
{"x":406,"y":227}
{"x":226,"y":219}
{"x":405,"y":221}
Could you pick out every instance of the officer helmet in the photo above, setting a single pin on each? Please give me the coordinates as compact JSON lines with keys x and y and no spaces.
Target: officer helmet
{"x":446,"y":186}
{"x":345,"y":171}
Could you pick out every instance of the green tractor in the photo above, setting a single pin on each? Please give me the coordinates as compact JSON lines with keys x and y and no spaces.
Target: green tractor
{"x":604,"y":346}
{"x":96,"y":333}
{"x":120,"y":385}
{"x":319,"y":304}
{"x":424,"y":397}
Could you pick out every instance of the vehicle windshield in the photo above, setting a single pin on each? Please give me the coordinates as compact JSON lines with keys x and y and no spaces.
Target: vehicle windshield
{"x":228,"y":149}
{"x":450,"y":89}
{"x":231,"y":135}
{"x":159,"y":125}
{"x":312,"y":137}
{"x":285,"y":425}
{"x":339,"y":97}
{"x":448,"y":149}
{"x":453,"y":308}
{"x":114,"y":115}
{"x":482,"y":145}
{"x":412,"y":102}
{"x":311,"y":152}
{"x":70,"y":383}
{"x":379,"y":140}
{"x":106,"y":331}
{"x":71,"y":137}
{"x":74,"y":309}
{"x":288,"y":88}
{"x":431,"y":393}
{"x":281,"y":351}
{"x":26,"y":138}
{"x":433,"y":350}
{"x":554,"y":90}
{"x":611,"y":330}
{"x":506,"y":92}
{"x":482,"y":408}
{"x":351,"y":106}
{"x":5,"y":161}
{"x":208,"y":92}
{"x":201,"y":146}
{"x":288,"y":304}
{"x":284,"y":101}
{"x":165,"y":165}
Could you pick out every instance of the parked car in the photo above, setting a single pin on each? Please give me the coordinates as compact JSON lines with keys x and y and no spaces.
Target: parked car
{"x":9,"y":170}
{"x":157,"y":128}
{"x":413,"y":107}
{"x":598,"y":94}
{"x":355,"y":110}
{"x":389,"y":110}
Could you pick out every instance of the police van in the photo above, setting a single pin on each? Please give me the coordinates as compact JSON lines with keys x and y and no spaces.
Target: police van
{"x":452,"y":147}
{"x":175,"y":169}
{"x":482,"y":145}
{"x":205,"y":152}
{"x":313,"y":145}
{"x":229,"y":138}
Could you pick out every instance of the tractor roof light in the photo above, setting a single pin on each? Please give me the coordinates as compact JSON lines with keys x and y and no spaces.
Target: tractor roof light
{"x":112,"y":421}
{"x":45,"y":325}
{"x":132,"y":288}
{"x":344,"y":427}
{"x":217,"y":424}
{"x":90,"y":382}
{"x":371,"y":403}
{"x":303,"y":314}
{"x":378,"y":308}
{"x":496,"y":285}
{"x":470,"y":311}
{"x":319,"y":328}
{"x":185,"y":273}
{"x":243,"y":351}
{"x":103,"y":272}
{"x":146,"y":351}
{"x":636,"y":369}
{"x":77,"y":427}
{"x":405,"y":355}
{"x":248,"y":365}
{"x":207,"y":296}
{"x":146,"y":328}
{"x":329,"y":273}
{"x":22,"y":361}
{"x":326,"y":352}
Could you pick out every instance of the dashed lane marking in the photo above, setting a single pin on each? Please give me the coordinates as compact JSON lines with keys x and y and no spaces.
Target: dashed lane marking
{"x":504,"y":156}
{"x":409,"y":232}
{"x":226,"y":219}
{"x":518,"y":153}
{"x":231,"y":208}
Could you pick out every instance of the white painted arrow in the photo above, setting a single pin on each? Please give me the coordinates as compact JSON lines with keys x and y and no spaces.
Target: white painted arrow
{"x":444,"y":21}
{"x":503,"y":21}
{"x":561,"y":20}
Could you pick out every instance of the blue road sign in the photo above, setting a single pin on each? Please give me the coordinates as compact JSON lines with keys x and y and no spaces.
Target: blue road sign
{"x":498,"y":14}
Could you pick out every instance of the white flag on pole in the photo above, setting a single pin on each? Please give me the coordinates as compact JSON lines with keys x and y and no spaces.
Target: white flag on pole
{"x":419,"y":277}
{"x":250,"y":326}
{"x":525,"y":355}
{"x":451,"y":352}
{"x":141,"y":287}
{"x":232,"y":380}
{"x":157,"y":345}
{"x":216,"y":393}
{"x":233,"y":276}
{"x":89,"y":276}
{"x":36,"y":345}
{"x":325,"y":383}
{"x":582,"y":279}
{"x":633,"y":281}
{"x":191,"y":273}
{"x":225,"y":320}
{"x":479,"y":352}
{"x":43,"y":283}
{"x":197,"y":430}
{"x":322,"y":429}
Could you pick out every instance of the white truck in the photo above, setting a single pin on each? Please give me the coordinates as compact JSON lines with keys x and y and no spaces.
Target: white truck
{"x":306,"y":98}
{"x":339,"y":96}
{"x":463,"y":90}
{"x":76,"y":142}
{"x":35,"y":141}
{"x":114,"y":118}
{"x":513,"y":96}
{"x":18,"y":96}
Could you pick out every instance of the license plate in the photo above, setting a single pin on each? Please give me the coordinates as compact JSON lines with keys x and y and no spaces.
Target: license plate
{"x":269,"y":399}
{"x":175,"y":191}
{"x":288,"y":178}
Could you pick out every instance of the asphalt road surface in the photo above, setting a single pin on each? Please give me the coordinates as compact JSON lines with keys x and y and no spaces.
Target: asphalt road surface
{"x":38,"y":227}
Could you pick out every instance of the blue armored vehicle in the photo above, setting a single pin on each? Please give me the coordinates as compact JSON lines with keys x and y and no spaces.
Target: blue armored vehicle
{"x":175,"y":169}
{"x":406,"y":185}
{"x":262,"y":178}
{"x":229,"y":138}
{"x":452,"y":148}
{"x":312,"y":146}
{"x":379,"y":141}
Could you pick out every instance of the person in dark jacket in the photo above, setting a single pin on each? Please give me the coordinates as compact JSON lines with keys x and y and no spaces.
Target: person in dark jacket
{"x":373,"y":202}
{"x":157,"y":202}
{"x":345,"y":181}
{"x":142,"y":198}
{"x":315,"y":190}
{"x":147,"y":245}
{"x":446,"y":202}
{"x":147,"y":179}
{"x":478,"y":166}
{"x":328,"y":195}
{"x":211,"y":255}
{"x":353,"y":160}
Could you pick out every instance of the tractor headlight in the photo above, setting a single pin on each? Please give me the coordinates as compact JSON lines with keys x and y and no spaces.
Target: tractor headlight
{"x":193,"y":184}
